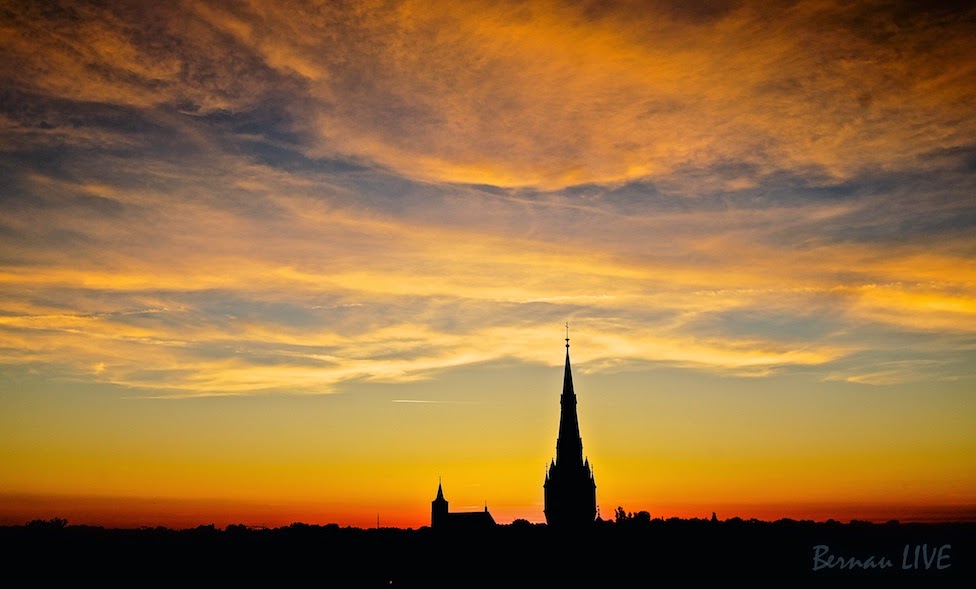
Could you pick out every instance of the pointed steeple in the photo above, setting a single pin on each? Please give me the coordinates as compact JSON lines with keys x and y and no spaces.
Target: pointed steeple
{"x":569,"y":444}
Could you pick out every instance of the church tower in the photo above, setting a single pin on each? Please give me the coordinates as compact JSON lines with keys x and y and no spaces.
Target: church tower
{"x":570,"y":491}
{"x":438,"y":509}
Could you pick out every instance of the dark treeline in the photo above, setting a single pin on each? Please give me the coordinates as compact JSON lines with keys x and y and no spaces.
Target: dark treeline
{"x":631,"y":551}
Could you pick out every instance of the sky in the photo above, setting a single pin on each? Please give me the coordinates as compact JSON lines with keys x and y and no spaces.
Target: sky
{"x":265,"y":263}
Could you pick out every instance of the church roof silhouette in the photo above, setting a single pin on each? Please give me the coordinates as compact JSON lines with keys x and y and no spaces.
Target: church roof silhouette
{"x":569,"y":488}
{"x":442,"y":518}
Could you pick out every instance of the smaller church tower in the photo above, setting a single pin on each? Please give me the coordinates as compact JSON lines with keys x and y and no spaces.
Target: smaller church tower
{"x":459,"y":521}
{"x":438,"y":509}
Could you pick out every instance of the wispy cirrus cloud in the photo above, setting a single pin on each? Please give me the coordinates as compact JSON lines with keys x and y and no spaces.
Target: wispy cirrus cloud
{"x":306,"y":195}
{"x":560,"y":94}
{"x":346,"y":295}
{"x":555,"y":93}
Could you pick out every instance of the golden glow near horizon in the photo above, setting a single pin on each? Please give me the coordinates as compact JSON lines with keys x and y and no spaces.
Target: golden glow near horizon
{"x":265,"y":263}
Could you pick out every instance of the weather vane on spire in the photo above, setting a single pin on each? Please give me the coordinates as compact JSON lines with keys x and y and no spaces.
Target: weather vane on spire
{"x":567,"y":334}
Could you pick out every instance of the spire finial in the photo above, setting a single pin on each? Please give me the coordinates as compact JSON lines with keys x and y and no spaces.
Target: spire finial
{"x":567,"y":334}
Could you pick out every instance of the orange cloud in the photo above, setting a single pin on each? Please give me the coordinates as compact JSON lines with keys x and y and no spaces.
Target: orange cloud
{"x":546,"y":94}
{"x":366,"y":262}
{"x":556,"y":97}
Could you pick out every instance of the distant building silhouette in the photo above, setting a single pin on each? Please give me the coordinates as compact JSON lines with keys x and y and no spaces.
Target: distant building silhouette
{"x":442,"y":519}
{"x":570,"y":491}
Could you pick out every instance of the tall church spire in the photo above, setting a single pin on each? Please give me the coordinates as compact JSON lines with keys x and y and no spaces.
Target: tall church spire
{"x":569,"y":444}
{"x":570,"y":491}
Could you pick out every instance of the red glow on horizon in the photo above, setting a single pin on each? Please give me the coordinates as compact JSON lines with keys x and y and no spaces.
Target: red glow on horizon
{"x":132,"y":513}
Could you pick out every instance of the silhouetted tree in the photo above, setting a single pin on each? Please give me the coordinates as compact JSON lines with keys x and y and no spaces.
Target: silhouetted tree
{"x":642,"y":517}
{"x":55,"y":523}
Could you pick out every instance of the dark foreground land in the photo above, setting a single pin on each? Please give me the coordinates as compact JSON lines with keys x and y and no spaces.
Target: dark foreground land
{"x":652,"y":553}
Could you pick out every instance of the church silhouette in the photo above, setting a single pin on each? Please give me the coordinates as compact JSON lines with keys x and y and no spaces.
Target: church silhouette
{"x":569,"y":488}
{"x":441,"y":518}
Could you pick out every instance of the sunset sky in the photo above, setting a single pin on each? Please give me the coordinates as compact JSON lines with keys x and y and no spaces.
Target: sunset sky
{"x":273,"y":262}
